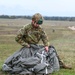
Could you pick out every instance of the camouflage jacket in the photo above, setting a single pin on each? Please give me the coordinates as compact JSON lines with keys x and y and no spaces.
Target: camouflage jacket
{"x":30,"y":35}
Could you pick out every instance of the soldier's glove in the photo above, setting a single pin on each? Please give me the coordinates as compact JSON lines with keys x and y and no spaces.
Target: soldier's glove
{"x":46,"y":48}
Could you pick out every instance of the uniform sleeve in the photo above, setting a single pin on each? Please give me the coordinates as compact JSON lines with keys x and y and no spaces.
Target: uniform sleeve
{"x":44,"y":38}
{"x":19,"y":37}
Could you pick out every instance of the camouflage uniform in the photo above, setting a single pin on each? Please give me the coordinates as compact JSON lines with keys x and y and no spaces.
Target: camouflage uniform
{"x":30,"y":35}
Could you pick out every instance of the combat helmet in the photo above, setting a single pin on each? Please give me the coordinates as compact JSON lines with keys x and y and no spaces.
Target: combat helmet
{"x":38,"y":18}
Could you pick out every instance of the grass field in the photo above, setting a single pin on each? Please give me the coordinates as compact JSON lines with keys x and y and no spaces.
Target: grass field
{"x":62,"y":38}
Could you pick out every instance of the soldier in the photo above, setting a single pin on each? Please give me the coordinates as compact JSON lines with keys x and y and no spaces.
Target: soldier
{"x":32,"y":33}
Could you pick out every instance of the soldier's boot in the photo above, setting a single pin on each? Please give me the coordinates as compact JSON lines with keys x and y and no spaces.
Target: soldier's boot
{"x":62,"y":65}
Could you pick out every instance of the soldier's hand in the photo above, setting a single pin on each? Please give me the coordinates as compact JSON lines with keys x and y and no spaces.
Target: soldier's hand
{"x":28,"y":45}
{"x":46,"y":48}
{"x":25,"y":45}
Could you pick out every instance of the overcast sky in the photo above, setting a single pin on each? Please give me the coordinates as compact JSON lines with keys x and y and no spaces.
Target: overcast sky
{"x":45,"y":7}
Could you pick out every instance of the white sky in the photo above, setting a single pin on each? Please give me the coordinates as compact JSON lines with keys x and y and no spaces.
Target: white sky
{"x":45,"y":7}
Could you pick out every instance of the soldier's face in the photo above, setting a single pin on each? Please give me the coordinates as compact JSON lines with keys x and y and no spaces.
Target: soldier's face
{"x":35,"y":24}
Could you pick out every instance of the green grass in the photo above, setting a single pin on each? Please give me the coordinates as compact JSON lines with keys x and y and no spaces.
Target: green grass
{"x":64,"y":72}
{"x":63,"y":39}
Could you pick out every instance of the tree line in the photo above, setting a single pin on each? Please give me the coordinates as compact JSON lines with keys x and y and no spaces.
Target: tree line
{"x":45,"y":17}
